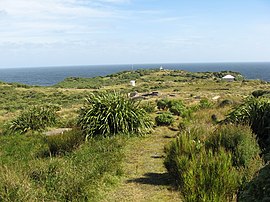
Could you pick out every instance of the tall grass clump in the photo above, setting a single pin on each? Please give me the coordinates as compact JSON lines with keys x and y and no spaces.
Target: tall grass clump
{"x":112,"y":113}
{"x":65,"y":142}
{"x":242,"y":144}
{"x":205,"y":104}
{"x":206,"y":165}
{"x":81,"y":175}
{"x":36,"y":118}
{"x":254,"y":112}
{"x":164,"y":119}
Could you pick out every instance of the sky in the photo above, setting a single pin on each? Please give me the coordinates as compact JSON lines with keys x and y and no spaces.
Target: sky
{"x":38,"y":33}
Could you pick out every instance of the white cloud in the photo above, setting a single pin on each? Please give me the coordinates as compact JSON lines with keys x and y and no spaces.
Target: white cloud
{"x":115,"y":1}
{"x":43,"y":20}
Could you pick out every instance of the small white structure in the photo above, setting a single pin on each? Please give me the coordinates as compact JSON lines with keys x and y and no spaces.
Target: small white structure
{"x":161,"y":68}
{"x":228,"y":78}
{"x":132,"y":83}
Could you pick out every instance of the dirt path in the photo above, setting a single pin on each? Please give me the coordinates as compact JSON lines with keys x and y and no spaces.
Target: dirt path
{"x":146,"y":178}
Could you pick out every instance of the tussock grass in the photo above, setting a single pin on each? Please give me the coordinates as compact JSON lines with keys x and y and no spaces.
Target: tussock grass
{"x":36,"y":118}
{"x":66,"y":142}
{"x":111,"y":113}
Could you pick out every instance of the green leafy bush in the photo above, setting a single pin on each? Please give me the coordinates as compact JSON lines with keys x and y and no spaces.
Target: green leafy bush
{"x":201,"y":174}
{"x":238,"y":140}
{"x":163,"y":104}
{"x":177,"y":107}
{"x":256,"y":113}
{"x":111,"y":113}
{"x":213,"y":165}
{"x":164,"y":119}
{"x":36,"y":118}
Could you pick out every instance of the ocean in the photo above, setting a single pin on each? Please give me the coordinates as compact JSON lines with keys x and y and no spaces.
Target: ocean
{"x":47,"y":76}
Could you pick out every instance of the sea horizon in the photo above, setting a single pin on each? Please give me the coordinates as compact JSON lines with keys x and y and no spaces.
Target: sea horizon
{"x":48,"y":76}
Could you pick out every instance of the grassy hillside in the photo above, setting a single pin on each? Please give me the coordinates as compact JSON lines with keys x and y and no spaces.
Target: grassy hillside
{"x":75,"y":166}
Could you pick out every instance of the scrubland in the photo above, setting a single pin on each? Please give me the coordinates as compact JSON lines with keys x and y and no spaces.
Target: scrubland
{"x":196,"y":138}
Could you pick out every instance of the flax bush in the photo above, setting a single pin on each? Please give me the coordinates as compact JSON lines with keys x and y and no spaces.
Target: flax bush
{"x":108,"y":114}
{"x":36,"y":118}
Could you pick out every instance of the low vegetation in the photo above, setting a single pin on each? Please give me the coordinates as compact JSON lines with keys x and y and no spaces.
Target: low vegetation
{"x":68,"y":141}
{"x":28,"y":174}
{"x":223,"y":135}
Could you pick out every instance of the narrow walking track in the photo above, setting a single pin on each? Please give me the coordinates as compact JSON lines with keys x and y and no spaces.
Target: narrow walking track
{"x":146,"y":178}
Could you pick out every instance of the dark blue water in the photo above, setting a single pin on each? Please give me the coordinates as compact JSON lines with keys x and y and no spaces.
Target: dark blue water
{"x":46,"y":76}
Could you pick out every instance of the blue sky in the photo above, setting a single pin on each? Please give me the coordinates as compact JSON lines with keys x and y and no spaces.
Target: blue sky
{"x":86,"y":32}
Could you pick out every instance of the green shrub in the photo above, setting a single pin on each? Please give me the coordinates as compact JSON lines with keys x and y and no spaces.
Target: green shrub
{"x":163,"y":104}
{"x":177,"y":107}
{"x":108,"y":114}
{"x":238,"y":140}
{"x":213,"y":165}
{"x":258,"y":189}
{"x":65,"y":142}
{"x":36,"y":118}
{"x":164,"y":119}
{"x":201,"y":174}
{"x":256,"y":113}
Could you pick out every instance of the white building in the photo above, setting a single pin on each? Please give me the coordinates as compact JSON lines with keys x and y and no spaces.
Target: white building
{"x":132,"y":83}
{"x":228,"y":78}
